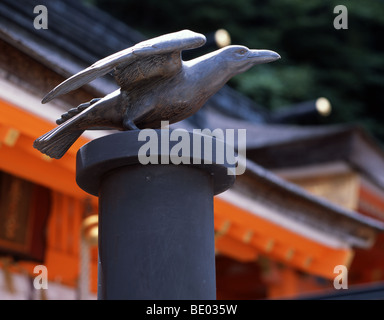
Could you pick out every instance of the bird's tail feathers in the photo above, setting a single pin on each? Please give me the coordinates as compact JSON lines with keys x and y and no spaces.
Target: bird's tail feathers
{"x":56,"y":142}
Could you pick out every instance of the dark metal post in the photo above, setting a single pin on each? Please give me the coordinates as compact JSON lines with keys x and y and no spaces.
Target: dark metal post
{"x":156,"y":235}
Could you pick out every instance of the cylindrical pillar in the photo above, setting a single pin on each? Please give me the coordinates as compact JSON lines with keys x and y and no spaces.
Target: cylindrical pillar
{"x":156,"y":234}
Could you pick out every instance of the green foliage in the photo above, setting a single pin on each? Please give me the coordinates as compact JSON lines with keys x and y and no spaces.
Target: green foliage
{"x":346,"y":66}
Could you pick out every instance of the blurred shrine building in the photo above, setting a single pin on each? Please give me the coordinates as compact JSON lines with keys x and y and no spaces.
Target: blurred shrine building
{"x":312,"y":197}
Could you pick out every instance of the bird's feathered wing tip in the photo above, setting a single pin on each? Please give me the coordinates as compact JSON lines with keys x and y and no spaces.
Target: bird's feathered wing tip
{"x":181,"y":40}
{"x":56,"y":142}
{"x":76,"y":81}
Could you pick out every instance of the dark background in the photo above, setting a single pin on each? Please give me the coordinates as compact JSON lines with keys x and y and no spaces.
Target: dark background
{"x":345,"y":66}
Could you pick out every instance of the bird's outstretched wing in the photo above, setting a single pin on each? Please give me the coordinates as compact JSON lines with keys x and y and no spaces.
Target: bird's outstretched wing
{"x":165,"y":44}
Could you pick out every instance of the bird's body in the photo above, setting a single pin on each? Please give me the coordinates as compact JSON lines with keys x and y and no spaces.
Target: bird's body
{"x":155,"y":85}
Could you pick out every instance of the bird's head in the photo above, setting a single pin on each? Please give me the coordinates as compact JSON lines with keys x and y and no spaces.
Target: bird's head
{"x":239,"y":58}
{"x":214,"y":69}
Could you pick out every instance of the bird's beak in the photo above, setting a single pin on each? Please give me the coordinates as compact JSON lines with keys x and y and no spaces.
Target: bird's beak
{"x":263,"y":56}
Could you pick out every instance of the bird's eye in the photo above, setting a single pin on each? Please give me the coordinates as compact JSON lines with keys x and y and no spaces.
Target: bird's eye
{"x":242,"y":51}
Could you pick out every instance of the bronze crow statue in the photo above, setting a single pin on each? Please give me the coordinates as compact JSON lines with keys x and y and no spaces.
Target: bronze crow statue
{"x":155,"y":85}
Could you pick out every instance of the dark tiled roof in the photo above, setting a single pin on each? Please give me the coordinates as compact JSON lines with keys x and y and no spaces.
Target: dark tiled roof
{"x":87,"y":34}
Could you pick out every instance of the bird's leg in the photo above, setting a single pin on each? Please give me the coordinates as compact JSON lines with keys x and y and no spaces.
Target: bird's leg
{"x":74,"y":111}
{"x":129,"y":125}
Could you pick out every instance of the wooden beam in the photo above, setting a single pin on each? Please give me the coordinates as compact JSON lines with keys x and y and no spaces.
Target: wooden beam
{"x":276,"y":242}
{"x":371,"y":202}
{"x":18,"y":130}
{"x":29,"y":124}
